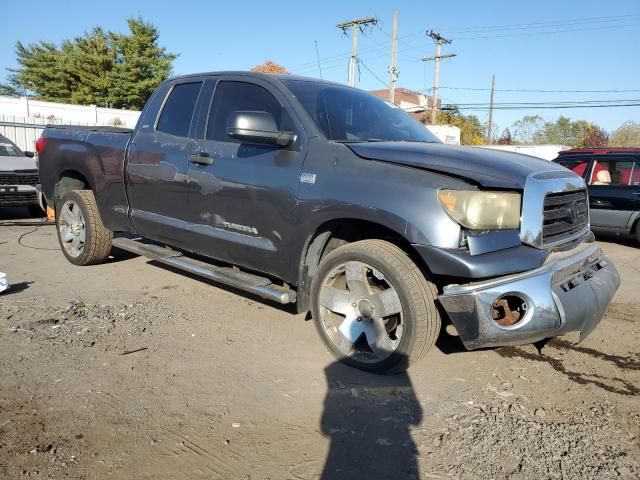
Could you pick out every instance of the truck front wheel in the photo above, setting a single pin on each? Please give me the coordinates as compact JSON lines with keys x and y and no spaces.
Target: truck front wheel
{"x":83,"y":238}
{"x":373,"y":307}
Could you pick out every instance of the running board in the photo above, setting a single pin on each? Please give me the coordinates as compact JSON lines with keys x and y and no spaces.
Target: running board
{"x":248,"y":282}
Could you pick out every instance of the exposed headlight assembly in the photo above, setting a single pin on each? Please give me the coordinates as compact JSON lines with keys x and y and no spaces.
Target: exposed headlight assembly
{"x":478,"y":210}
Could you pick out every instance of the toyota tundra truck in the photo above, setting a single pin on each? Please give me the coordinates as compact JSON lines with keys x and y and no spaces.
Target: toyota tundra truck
{"x":308,"y":192}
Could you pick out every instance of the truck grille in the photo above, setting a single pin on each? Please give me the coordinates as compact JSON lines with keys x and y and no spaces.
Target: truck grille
{"x":19,"y":178}
{"x":565,"y":214}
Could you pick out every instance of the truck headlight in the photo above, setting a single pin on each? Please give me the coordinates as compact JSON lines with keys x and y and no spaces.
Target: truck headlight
{"x":478,"y":210}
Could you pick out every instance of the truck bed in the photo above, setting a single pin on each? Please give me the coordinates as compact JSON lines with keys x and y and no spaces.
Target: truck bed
{"x":95,"y":128}
{"x":96,"y":154}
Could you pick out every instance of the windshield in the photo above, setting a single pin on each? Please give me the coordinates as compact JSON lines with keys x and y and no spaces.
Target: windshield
{"x":352,"y":115}
{"x":8,"y":150}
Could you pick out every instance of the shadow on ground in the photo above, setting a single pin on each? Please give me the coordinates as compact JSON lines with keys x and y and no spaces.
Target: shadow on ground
{"x":610,"y":384}
{"x":369,"y":425}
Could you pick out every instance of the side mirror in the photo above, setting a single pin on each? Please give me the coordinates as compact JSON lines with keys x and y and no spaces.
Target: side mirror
{"x":258,"y":127}
{"x":29,"y":154}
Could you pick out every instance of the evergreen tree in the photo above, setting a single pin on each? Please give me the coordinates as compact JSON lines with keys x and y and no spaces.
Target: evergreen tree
{"x":101,"y":68}
{"x":91,"y":62}
{"x":43,"y":71}
{"x":140,"y":65}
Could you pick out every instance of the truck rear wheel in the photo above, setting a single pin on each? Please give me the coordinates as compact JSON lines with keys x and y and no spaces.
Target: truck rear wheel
{"x":373,"y":307}
{"x":83,"y":238}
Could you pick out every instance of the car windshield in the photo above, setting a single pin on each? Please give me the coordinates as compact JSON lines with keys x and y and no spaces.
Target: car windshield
{"x":350,"y":115}
{"x":8,"y":150}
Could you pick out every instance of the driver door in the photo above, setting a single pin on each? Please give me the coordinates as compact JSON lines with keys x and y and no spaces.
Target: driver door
{"x":242,"y":205}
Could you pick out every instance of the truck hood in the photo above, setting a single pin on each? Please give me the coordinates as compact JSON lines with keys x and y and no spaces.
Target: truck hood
{"x":486,"y":167}
{"x":11,"y":164}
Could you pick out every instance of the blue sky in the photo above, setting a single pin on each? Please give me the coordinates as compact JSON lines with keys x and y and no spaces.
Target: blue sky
{"x":533,"y":45}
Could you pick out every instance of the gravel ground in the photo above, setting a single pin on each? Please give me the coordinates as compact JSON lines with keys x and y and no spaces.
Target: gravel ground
{"x":129,"y":370}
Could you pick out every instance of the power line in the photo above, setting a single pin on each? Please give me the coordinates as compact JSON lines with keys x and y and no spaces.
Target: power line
{"x":542,"y":107}
{"x":473,"y":29}
{"x":360,"y":62}
{"x":548,"y":23}
{"x":547,"y":32}
{"x":534,"y":90}
{"x":586,"y":102}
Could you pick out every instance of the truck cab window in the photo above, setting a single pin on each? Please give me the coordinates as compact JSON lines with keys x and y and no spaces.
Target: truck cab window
{"x":176,"y":115}
{"x":232,"y":97}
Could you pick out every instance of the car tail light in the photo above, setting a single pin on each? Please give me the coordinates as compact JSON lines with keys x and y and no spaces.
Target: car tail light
{"x":40,"y":144}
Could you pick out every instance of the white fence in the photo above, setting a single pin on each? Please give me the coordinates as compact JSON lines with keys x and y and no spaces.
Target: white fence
{"x":25,"y":131}
{"x":22,"y":119}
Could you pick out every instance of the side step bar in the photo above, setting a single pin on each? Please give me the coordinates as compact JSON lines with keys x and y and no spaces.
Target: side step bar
{"x":261,"y":286}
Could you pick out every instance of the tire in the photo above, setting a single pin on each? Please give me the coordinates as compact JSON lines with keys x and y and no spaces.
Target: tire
{"x":637,"y":231}
{"x":35,"y":211}
{"x":374,"y":341}
{"x":83,"y":238}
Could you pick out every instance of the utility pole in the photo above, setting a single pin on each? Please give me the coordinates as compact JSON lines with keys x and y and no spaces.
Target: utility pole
{"x":355,"y":25}
{"x":439,"y":40}
{"x":393,"y":68}
{"x":490,"y":128}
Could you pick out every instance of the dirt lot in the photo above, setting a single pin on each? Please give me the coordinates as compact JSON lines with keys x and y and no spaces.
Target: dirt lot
{"x":128,"y":370}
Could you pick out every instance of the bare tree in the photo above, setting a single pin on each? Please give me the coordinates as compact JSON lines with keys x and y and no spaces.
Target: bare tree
{"x":627,"y":135}
{"x":525,"y":129}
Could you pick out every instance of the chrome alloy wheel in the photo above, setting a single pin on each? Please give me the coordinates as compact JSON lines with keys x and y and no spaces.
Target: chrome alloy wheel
{"x":361,"y":312}
{"x":71,"y":228}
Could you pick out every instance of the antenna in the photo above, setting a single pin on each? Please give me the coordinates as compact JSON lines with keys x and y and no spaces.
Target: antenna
{"x":318,"y":58}
{"x":324,"y":102}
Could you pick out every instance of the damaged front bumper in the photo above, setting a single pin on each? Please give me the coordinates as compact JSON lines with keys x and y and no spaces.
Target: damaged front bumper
{"x":569,"y":292}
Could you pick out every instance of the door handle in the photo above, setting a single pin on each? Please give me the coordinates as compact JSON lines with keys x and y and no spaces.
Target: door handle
{"x":201,"y":158}
{"x":637,"y":194}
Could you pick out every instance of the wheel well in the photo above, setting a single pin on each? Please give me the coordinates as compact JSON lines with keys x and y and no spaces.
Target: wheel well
{"x":336,"y":233}
{"x":634,"y":227}
{"x":69,"y":180}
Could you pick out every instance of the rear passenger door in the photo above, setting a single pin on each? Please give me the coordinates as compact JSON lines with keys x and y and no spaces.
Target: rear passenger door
{"x":614,"y":192}
{"x":243,"y":202}
{"x":157,"y":162}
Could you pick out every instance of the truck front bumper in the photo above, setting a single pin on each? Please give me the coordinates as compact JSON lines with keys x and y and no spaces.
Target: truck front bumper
{"x":569,"y":292}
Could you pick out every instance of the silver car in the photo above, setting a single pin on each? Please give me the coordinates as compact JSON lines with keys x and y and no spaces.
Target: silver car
{"x":18,"y":178}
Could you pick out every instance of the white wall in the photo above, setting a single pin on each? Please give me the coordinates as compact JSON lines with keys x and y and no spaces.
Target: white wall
{"x":22,"y":119}
{"x":448,"y":134}
{"x":86,"y":114}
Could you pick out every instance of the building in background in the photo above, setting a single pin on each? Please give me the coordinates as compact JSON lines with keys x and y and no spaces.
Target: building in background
{"x":449,"y":134}
{"x":416,"y":103}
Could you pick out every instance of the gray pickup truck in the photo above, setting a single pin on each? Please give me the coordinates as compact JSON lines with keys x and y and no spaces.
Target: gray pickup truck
{"x":309,"y":192}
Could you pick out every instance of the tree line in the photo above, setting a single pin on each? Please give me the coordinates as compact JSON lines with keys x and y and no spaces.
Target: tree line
{"x":100,"y":67}
{"x":534,"y":129}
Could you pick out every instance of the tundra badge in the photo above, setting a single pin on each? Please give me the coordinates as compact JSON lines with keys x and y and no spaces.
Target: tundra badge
{"x":309,"y":178}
